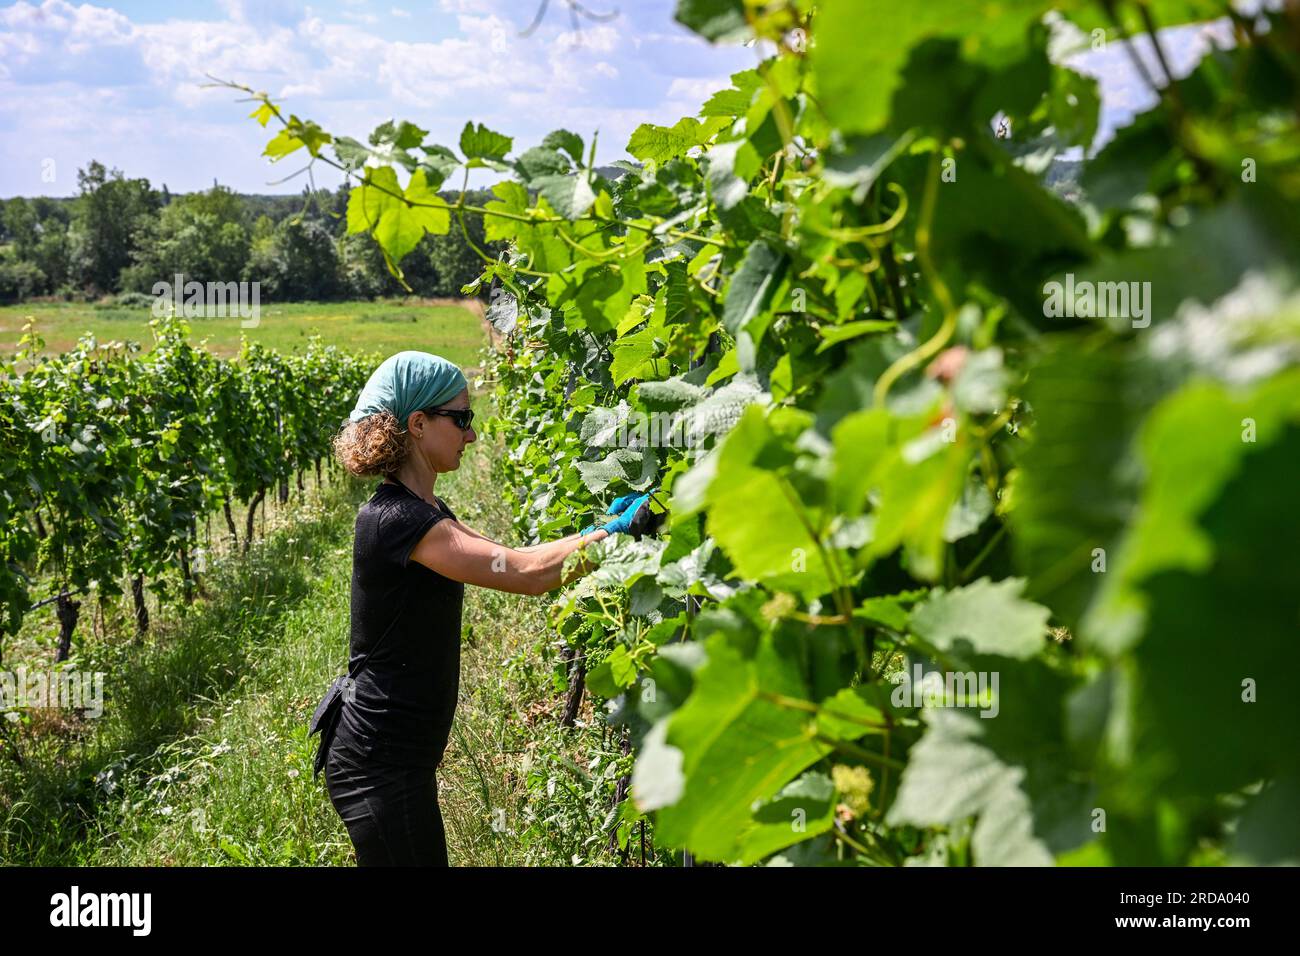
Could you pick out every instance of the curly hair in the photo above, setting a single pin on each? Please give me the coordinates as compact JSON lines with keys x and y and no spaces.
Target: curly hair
{"x":376,"y":445}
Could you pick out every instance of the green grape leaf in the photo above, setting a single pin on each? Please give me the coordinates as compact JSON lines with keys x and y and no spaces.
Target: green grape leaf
{"x":1268,"y":833}
{"x":368,"y":202}
{"x":396,"y":226}
{"x":970,"y":511}
{"x":351,"y":153}
{"x":570,"y":143}
{"x":1008,"y":765}
{"x":636,"y":467}
{"x":512,"y":198}
{"x":892,"y":610}
{"x":730,"y":167}
{"x":858,"y":72}
{"x":434,"y":215}
{"x":1074,"y":106}
{"x":401,"y":135}
{"x":613,"y":675}
{"x":624,"y":561}
{"x":503,"y":311}
{"x":737,"y":747}
{"x":479,"y":143}
{"x":263,"y":114}
{"x":662,"y":143}
{"x":1206,"y":261}
{"x":671,"y":393}
{"x":833,"y":335}
{"x":913,"y":475}
{"x":1078,"y":479}
{"x":718,"y":21}
{"x":801,"y":810}
{"x":634,"y":354}
{"x":569,"y":195}
{"x":762,"y":525}
{"x":752,"y":287}
{"x":295,"y":136}
{"x":540,"y":161}
{"x":988,"y":617}
{"x":860,"y":161}
{"x":657,"y":779}
{"x":735,"y":101}
{"x":1209,"y":721}
{"x":851,"y":713}
{"x":439,"y":163}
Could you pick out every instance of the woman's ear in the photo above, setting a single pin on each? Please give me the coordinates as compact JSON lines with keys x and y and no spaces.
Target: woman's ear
{"x":415,"y":423}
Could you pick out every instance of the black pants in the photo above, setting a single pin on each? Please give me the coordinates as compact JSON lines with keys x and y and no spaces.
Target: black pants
{"x":391,"y":811}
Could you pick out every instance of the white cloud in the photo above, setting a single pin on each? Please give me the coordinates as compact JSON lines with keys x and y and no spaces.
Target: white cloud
{"x":282,"y":12}
{"x":603,"y":38}
{"x":85,"y":81}
{"x":697,"y":90}
{"x":466,"y":6}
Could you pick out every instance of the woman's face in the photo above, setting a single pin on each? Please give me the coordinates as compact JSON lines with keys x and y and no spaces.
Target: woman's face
{"x":438,"y":438}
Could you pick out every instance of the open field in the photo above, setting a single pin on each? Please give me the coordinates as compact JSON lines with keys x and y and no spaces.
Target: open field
{"x":450,"y":329}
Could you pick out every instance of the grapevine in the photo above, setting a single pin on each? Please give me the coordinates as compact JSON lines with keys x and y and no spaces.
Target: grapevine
{"x":113,"y":458}
{"x":905,"y":470}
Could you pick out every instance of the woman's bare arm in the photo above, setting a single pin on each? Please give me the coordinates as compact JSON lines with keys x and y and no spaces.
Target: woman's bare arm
{"x":465,"y":555}
{"x":546,"y":544}
{"x":527,"y":549}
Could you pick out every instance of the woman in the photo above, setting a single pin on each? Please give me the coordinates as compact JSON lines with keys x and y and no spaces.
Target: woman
{"x":411,"y":559}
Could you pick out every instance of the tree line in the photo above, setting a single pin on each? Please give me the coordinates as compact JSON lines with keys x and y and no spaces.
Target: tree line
{"x":120,"y":235}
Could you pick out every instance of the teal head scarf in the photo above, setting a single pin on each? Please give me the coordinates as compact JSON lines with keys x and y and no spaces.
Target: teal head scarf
{"x":407,"y":382}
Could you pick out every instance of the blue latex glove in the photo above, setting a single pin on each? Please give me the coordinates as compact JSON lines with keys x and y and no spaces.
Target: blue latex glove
{"x":620,"y":504}
{"x":623,"y":523}
{"x":618,"y":507}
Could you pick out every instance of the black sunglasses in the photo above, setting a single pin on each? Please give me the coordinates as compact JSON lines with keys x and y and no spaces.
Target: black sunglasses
{"x":463,"y":417}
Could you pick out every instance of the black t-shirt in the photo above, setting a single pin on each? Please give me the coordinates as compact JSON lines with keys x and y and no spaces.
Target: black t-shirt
{"x":407,"y":619}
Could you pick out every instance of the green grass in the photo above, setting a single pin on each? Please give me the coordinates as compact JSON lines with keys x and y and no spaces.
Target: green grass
{"x":452,"y":330}
{"x":202,"y":756}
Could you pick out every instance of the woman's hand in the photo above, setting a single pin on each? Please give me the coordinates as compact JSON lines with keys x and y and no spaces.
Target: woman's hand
{"x":620,"y":506}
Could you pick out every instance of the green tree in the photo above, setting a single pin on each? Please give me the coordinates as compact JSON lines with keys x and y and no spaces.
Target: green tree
{"x":112,"y":213}
{"x":202,"y":235}
{"x":20,"y":226}
{"x":454,"y":261}
{"x":300,"y":261}
{"x":361,"y":268}
{"x":51,"y":253}
{"x":19,"y":279}
{"x":53,"y":210}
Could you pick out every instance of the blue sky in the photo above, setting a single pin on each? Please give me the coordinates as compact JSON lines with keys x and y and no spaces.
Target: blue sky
{"x":121,"y":81}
